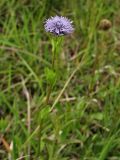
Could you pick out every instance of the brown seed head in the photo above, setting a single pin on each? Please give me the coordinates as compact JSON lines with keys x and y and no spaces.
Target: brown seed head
{"x":105,"y":24}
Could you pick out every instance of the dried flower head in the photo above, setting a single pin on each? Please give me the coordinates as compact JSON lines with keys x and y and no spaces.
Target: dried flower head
{"x":59,"y":25}
{"x":105,"y":24}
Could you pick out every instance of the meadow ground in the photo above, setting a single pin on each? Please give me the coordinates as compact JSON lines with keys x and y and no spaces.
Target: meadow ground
{"x":82,"y":119}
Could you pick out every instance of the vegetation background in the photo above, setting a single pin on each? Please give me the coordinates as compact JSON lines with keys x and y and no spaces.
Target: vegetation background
{"x":84,"y":122}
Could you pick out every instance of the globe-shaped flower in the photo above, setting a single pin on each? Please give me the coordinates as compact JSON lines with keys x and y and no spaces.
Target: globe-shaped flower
{"x":59,"y":25}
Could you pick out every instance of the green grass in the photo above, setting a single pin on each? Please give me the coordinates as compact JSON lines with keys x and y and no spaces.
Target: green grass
{"x":81,"y":122}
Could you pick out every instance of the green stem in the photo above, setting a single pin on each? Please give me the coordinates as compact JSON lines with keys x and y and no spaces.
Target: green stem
{"x":55,"y":44}
{"x":49,"y":89}
{"x":53,"y":60}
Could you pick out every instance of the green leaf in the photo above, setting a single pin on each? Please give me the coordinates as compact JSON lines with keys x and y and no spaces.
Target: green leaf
{"x":50,"y":76}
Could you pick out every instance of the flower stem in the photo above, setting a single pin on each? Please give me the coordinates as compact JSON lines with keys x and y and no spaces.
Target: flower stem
{"x":53,"y":60}
{"x":55,"y":48}
{"x":49,"y":89}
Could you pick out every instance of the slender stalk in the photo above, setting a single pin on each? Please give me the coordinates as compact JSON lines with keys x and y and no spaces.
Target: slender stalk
{"x":53,"y":60}
{"x":39,"y":136}
{"x":56,"y":44}
{"x":65,"y":86}
{"x":49,"y":87}
{"x":29,"y":120}
{"x":27,"y":95}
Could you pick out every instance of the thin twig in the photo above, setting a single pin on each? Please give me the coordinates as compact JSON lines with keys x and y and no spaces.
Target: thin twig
{"x":3,"y":140}
{"x":32,"y":134}
{"x":68,"y":99}
{"x":65,"y":86}
{"x":5,"y":143}
{"x":28,"y":112}
{"x":23,"y":157}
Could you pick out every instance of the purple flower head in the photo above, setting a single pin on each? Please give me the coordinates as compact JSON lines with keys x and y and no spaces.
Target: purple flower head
{"x":59,"y":25}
